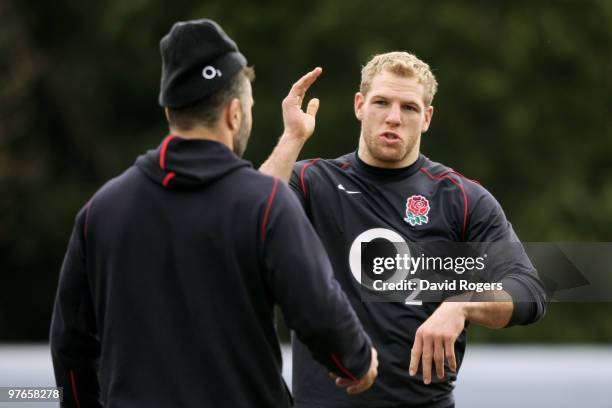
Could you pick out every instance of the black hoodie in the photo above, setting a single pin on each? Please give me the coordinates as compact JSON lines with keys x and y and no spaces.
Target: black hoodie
{"x":166,"y":295}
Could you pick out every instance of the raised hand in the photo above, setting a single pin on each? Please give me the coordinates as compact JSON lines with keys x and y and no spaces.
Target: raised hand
{"x":299,"y":124}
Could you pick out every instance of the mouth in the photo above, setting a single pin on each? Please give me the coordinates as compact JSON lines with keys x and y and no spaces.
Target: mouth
{"x":390,"y":137}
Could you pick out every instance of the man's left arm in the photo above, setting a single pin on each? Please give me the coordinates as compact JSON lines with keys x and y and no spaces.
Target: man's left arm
{"x":490,"y":232}
{"x":521,"y":301}
{"x":435,"y":339}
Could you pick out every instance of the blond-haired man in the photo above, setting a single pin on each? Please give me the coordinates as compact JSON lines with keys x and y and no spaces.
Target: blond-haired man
{"x":387,"y":190}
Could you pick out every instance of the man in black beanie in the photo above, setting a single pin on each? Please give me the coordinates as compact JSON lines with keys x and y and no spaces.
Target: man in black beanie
{"x":167,"y":292}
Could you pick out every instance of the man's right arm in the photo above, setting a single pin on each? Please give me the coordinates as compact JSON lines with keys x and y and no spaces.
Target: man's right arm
{"x":298,"y":125}
{"x":313,"y":303}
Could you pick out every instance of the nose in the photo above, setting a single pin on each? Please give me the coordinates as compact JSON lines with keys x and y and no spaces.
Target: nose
{"x":394,"y":115}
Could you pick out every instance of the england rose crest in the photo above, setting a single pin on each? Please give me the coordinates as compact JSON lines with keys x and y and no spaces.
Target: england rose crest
{"x":417,"y":208}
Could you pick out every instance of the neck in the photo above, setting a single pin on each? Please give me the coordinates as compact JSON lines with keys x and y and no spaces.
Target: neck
{"x":368,"y":158}
{"x":205,"y":133}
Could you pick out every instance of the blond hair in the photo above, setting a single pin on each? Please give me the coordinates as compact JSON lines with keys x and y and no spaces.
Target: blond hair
{"x":403,"y":64}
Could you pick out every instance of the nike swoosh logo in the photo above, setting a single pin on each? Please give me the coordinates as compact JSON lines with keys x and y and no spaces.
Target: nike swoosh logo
{"x":341,"y":187}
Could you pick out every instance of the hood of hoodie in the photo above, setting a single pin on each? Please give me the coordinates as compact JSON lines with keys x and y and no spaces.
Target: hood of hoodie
{"x":188,"y":163}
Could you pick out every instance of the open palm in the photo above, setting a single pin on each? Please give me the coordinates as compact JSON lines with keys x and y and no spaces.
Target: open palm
{"x":300,"y":124}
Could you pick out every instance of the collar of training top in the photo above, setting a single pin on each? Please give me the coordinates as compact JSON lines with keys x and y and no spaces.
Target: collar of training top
{"x":380,"y":173}
{"x":189,"y":163}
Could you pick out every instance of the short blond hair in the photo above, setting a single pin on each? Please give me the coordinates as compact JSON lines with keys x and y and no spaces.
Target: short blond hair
{"x":400,"y":63}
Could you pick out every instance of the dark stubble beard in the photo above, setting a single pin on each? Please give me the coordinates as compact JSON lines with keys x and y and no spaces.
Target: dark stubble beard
{"x":241,"y":139}
{"x":376,"y":150}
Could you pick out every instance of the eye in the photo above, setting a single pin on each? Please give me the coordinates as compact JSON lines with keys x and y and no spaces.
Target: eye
{"x":380,"y":102}
{"x":409,"y":108}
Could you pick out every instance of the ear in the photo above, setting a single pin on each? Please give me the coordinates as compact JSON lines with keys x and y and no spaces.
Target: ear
{"x":427,"y":119}
{"x":167,"y":114}
{"x":233,"y":114}
{"x":359,"y":101}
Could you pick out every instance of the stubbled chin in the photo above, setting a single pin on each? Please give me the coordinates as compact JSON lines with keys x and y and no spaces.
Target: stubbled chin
{"x":388,"y":153}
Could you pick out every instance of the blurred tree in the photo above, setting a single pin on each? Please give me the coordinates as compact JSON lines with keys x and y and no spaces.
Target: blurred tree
{"x":524,"y":106}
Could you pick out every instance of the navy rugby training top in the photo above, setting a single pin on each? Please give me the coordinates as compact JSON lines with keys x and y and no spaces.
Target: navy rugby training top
{"x":426,"y":201}
{"x":167,"y":292}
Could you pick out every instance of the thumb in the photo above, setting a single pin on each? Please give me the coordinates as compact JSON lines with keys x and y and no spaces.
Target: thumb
{"x":313,"y":107}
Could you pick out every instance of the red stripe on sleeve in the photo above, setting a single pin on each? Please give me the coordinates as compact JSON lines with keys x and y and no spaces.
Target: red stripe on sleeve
{"x":302,"y":173}
{"x":268,"y":208}
{"x":465,"y":199}
{"x":467,"y":178}
{"x":459,"y":174}
{"x":74,"y":389}
{"x":162,"y":152}
{"x":342,"y":368}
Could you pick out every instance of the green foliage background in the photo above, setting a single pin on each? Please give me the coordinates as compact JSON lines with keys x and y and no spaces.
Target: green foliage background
{"x":524,"y":106}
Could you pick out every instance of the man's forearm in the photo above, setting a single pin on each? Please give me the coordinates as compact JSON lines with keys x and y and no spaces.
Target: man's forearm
{"x":493,"y":315}
{"x":281,"y":161}
{"x":492,"y":309}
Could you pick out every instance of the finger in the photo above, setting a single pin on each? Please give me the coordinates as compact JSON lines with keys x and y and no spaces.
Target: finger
{"x":449,"y":348}
{"x":375,"y":359}
{"x":344,"y":382}
{"x":415,"y":356}
{"x":360,"y":386}
{"x":439,"y":357}
{"x":426,"y":358}
{"x":332,"y":376}
{"x":313,"y":107}
{"x":301,"y":86}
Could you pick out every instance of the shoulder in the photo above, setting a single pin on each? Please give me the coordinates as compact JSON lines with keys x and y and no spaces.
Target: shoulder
{"x":257,"y":189}
{"x":468,"y":196}
{"x":309,"y":171}
{"x":319,"y":163}
{"x":245,"y":184}
{"x":309,"y":168}
{"x":118,"y":185}
{"x":440,"y":173}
